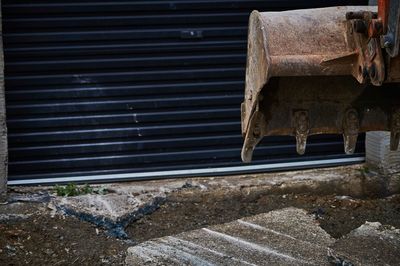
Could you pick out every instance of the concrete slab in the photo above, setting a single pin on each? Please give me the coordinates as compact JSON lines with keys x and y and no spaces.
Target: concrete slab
{"x":113,"y":211}
{"x":370,"y":244}
{"x":112,"y":207}
{"x":126,"y":202}
{"x":284,"y":237}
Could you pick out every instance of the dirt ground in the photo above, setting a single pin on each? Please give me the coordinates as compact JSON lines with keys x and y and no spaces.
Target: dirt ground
{"x":338,"y":215}
{"x":43,"y":240}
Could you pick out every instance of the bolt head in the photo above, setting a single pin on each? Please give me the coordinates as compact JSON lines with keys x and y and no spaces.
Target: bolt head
{"x":387,"y":44}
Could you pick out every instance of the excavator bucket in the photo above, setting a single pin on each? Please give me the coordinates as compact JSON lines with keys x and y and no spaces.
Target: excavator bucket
{"x":318,"y":71}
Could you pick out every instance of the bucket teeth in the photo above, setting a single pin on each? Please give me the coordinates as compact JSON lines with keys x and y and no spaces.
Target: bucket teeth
{"x":301,"y":142}
{"x":395,"y":131}
{"x":302,"y":129}
{"x":350,"y":142}
{"x":394,"y":140}
{"x":247,"y":154}
{"x":351,"y":127}
{"x":253,"y":136}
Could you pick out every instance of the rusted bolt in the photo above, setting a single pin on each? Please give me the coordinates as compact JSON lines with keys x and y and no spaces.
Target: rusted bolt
{"x":354,"y":15}
{"x":387,"y":44}
{"x":351,"y":122}
{"x":256,"y":131}
{"x":359,"y":26}
{"x":303,"y":121}
{"x":349,"y":15}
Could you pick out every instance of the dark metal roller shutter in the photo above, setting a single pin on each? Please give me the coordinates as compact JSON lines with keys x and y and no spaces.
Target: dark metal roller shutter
{"x":112,"y":87}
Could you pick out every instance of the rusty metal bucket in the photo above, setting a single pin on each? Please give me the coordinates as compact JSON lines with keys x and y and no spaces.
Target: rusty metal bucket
{"x":308,"y":72}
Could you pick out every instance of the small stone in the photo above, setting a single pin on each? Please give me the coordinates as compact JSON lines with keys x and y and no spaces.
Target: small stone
{"x":188,"y":184}
{"x":10,"y":248}
{"x":49,"y":251}
{"x":343,"y":198}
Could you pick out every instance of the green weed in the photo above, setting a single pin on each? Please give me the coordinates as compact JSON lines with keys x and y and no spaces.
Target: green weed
{"x":72,"y":189}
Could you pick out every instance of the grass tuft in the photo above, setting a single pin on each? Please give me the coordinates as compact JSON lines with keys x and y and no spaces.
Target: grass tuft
{"x":72,"y":189}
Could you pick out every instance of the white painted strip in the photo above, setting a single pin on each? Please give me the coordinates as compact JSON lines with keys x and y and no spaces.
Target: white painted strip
{"x":243,"y":243}
{"x":198,"y":247}
{"x":188,"y":172}
{"x":261,"y":228}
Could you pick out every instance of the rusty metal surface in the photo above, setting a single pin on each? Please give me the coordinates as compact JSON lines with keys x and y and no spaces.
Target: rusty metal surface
{"x":308,"y":73}
{"x":394,"y":70}
{"x":378,"y":26}
{"x":334,"y":105}
{"x":298,"y":43}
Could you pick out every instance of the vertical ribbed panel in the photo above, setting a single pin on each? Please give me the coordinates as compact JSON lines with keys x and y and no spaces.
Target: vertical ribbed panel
{"x":3,"y":127}
{"x":96,"y":87}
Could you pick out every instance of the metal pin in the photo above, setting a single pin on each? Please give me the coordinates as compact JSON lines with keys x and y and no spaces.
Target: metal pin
{"x":351,"y":126}
{"x":302,"y":129}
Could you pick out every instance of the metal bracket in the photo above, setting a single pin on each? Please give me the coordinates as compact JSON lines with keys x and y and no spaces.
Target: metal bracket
{"x":370,"y":58}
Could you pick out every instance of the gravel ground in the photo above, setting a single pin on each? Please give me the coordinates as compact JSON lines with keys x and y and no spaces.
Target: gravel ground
{"x":44,"y":239}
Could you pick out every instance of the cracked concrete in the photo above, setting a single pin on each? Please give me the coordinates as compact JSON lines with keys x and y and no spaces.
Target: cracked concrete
{"x":300,"y":243}
{"x":112,"y":211}
{"x":370,"y":244}
{"x":283,"y":237}
{"x":127,"y":202}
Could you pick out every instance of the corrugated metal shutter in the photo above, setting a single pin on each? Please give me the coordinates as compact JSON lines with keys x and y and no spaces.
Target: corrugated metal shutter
{"x":106,"y":87}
